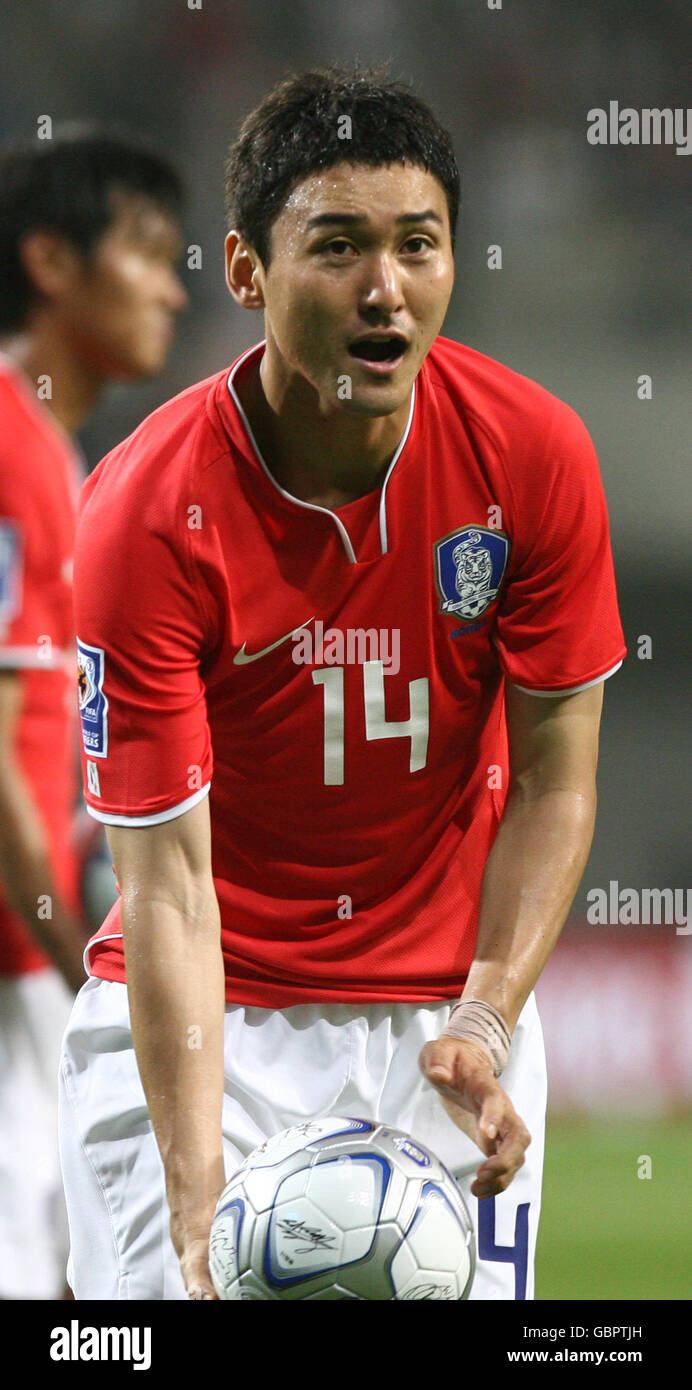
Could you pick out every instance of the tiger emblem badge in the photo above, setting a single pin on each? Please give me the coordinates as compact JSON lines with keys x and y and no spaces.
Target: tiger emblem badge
{"x":469,"y":569}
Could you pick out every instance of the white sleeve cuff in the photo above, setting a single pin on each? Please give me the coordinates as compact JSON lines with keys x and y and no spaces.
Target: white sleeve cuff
{"x":573,"y":689}
{"x":107,"y":818}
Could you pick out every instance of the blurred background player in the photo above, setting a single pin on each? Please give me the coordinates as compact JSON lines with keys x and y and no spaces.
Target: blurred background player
{"x":89,"y":292}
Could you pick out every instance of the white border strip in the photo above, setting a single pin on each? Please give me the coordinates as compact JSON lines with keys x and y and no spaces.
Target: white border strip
{"x":93,"y":941}
{"x":170,"y":814}
{"x":573,"y":690}
{"x":384,"y":539}
{"x":28,"y":658}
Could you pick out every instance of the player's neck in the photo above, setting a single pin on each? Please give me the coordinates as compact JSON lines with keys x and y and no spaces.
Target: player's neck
{"x":61,"y":379}
{"x":327,"y":460}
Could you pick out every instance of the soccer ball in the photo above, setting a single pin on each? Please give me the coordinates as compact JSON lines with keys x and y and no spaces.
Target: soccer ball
{"x":341,"y":1208}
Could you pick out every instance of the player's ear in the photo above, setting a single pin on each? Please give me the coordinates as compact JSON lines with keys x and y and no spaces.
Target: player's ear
{"x":50,"y":262}
{"x":244,"y":272}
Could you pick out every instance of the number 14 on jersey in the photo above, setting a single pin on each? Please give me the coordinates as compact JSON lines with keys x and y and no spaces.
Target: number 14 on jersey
{"x":416,"y":727}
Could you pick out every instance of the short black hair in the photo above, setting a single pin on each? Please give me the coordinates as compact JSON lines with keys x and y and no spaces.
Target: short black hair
{"x":65,"y":185}
{"x":294,"y":132}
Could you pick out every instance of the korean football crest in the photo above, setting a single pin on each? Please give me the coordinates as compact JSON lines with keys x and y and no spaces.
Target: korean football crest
{"x":469,"y":568}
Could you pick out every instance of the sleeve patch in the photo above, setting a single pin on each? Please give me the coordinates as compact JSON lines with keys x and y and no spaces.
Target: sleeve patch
{"x":93,"y":778}
{"x":93,"y":705}
{"x":10,"y":570}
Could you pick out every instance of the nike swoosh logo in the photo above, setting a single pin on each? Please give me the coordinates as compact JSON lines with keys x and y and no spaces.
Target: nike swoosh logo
{"x":242,"y":658}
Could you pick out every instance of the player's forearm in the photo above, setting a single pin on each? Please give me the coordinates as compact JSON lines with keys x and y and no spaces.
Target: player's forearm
{"x":27,"y":878}
{"x":531,"y":876}
{"x":176,"y":992}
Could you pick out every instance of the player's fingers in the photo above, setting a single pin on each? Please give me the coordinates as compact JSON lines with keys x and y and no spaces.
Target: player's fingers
{"x":511,"y":1145}
{"x":463,"y":1066}
{"x":491,"y":1184}
{"x":499,"y":1166}
{"x":436,"y":1062}
{"x":462,"y":1074}
{"x":198,"y":1283}
{"x":491,"y":1105}
{"x":464,"y":1116}
{"x":194,"y":1264}
{"x":493,"y":1113}
{"x":498,"y":1170}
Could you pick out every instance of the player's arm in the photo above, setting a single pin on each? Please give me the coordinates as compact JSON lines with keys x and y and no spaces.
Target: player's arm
{"x":25,"y":871}
{"x":171,"y":932}
{"x":531,"y":876}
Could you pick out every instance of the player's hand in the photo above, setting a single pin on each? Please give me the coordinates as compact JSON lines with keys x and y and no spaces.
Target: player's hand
{"x":194,"y":1263}
{"x":193,"y":1202}
{"x":462,"y":1074}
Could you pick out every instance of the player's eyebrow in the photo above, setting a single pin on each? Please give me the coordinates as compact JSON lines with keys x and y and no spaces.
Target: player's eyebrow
{"x":351,"y":219}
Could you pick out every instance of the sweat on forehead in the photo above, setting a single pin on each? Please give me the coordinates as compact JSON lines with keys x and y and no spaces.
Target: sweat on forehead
{"x":405,"y":192}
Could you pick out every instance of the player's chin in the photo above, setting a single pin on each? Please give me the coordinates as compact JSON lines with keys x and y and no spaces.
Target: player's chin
{"x":383,"y":404}
{"x":145,"y":353}
{"x":140,"y":366}
{"x":380,"y":397}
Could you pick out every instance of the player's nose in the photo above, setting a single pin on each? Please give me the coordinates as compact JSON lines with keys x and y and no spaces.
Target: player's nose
{"x":175,"y":295}
{"x":381,"y":284}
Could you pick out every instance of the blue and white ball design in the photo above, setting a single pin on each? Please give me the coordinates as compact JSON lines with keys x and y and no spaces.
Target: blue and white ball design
{"x":342,"y":1208}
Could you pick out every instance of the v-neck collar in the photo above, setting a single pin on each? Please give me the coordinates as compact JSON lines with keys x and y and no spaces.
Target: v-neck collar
{"x":312,"y":506}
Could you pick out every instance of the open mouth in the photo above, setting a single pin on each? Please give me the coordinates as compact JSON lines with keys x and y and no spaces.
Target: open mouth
{"x":378,"y":349}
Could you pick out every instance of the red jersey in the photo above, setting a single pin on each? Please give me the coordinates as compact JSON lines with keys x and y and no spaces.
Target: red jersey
{"x":334,"y":680}
{"x":39,"y":487}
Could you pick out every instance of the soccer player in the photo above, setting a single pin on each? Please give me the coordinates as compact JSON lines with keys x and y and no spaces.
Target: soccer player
{"x":323,"y":600}
{"x":89,"y":234}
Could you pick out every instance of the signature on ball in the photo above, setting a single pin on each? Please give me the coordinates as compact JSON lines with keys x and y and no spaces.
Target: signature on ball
{"x":431,"y":1291}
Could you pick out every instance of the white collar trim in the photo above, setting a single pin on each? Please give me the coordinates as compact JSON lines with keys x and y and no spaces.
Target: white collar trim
{"x":312,"y":506}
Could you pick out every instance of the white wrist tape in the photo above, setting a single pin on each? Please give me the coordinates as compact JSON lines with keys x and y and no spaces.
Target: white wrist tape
{"x":481,"y":1023}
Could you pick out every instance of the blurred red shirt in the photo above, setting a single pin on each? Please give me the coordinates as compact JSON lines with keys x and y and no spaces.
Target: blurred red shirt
{"x":40,"y":476}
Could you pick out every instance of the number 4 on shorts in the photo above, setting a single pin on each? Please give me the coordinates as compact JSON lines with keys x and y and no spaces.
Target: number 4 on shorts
{"x":517,"y":1254}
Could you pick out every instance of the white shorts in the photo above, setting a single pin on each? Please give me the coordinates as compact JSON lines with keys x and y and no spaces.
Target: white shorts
{"x":34,"y":1009}
{"x":281,"y":1067}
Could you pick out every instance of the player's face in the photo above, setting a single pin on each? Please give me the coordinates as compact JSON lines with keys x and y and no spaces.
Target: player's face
{"x":356,"y":251}
{"x":121,"y":310}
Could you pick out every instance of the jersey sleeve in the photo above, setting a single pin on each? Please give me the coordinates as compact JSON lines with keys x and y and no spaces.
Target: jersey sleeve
{"x":558,"y":627}
{"x":146,"y":746}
